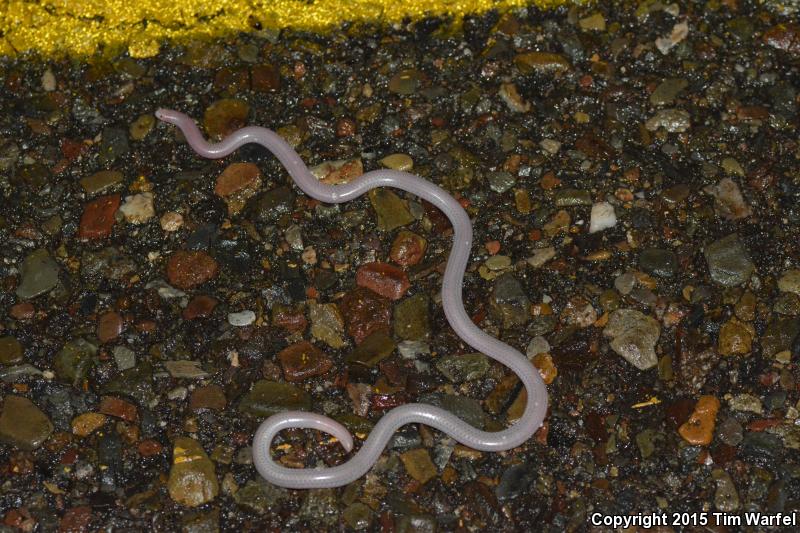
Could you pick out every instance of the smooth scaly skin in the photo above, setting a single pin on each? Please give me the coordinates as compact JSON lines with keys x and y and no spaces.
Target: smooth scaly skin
{"x":452,"y":303}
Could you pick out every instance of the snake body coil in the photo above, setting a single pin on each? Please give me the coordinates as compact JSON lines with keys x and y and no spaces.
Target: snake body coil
{"x":452,"y":303}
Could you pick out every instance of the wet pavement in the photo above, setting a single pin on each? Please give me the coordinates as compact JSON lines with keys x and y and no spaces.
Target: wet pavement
{"x":632,"y":172}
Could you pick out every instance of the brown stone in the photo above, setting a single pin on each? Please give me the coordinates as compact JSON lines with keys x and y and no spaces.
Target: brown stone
{"x":408,"y":248}
{"x":365,"y":313}
{"x":22,"y":311}
{"x":303,"y":360}
{"x":85,"y":424}
{"x":384,"y":279}
{"x":208,"y":397}
{"x":237,"y":183}
{"x":188,"y":269}
{"x":201,"y":306}
{"x":784,"y":37}
{"x":225,"y":116}
{"x":112,"y":406}
{"x":699,"y":429}
{"x":291,"y":319}
{"x":419,"y":465}
{"x":345,"y":127}
{"x":97,"y":219}
{"x":76,"y":520}
{"x":544,"y":363}
{"x":149,"y":447}
{"x":109,"y":326}
{"x":736,"y":337}
{"x":265,"y":78}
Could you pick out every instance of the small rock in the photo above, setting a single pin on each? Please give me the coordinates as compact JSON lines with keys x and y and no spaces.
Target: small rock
{"x":265,"y":78}
{"x":402,"y":162}
{"x":48,"y":81}
{"x":192,"y":478}
{"x":238,"y":183}
{"x":595,"y":22}
{"x":109,"y":326}
{"x":124,"y":357}
{"x":10,"y":350}
{"x":142,"y":126}
{"x":501,"y":181}
{"x":668,"y":90}
{"x":327,"y":324}
{"x":726,"y":497}
{"x":461,"y":368}
{"x":171,"y":221}
{"x":97,"y":219}
{"x":699,"y":429}
{"x":383,"y":279}
{"x":515,"y":102}
{"x":672,"y":120}
{"x":225,"y":116}
{"x":138,"y":208}
{"x":303,"y":360}
{"x":541,"y":256}
{"x":602,"y":217}
{"x":678,"y":34}
{"x":634,"y":336}
{"x":411,"y":320}
{"x":208,"y":397}
{"x":746,"y":403}
{"x":658,"y":262}
{"x":357,"y":516}
{"x":546,"y":367}
{"x":188,"y":269}
{"x":736,"y":337}
{"x":406,"y":82}
{"x":201,"y":306}
{"x":242,"y":318}
{"x":728,"y":200}
{"x":419,"y":465}
{"x":22,"y":424}
{"x":338,"y":172}
{"x":728,"y":261}
{"x":185,"y":369}
{"x":544,"y":62}
{"x":579,"y":312}
{"x":551,"y":146}
{"x":269,"y":397}
{"x":374,"y":349}
{"x":536,"y":346}
{"x":73,"y":361}
{"x":109,"y":405}
{"x":392,"y":211}
{"x":572,"y":197}
{"x":408,"y":248}
{"x":259,"y":496}
{"x":508,"y":302}
{"x":558,"y":224}
{"x":790,"y":281}
{"x":85,"y":424}
{"x":102,"y":181}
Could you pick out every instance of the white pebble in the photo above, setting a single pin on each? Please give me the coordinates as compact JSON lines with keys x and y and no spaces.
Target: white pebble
{"x":242,"y":318}
{"x":48,"y":81}
{"x":138,"y":208}
{"x":603,"y":217}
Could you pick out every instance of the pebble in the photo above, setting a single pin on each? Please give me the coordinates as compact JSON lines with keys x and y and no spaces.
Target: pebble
{"x":327,"y":324}
{"x":412,"y":349}
{"x":101,"y":182}
{"x":667,"y":91}
{"x":579,"y":312}
{"x":242,"y":318}
{"x":726,"y":497}
{"x":338,"y":172}
{"x":192,"y":478}
{"x":658,"y":262}
{"x":401,"y":162}
{"x":729,"y":202}
{"x":303,"y":360}
{"x":208,"y":397}
{"x":392,"y":211}
{"x":372,"y":350}
{"x":119,"y":408}
{"x":551,"y":146}
{"x":73,"y":361}
{"x":267,"y":398}
{"x":171,"y":221}
{"x":790,"y":281}
{"x":510,"y":95}
{"x":728,"y":261}
{"x":405,"y":82}
{"x":558,"y":224}
{"x":461,"y":368}
{"x":109,"y":326}
{"x":546,"y":366}
{"x":238,"y":183}
{"x":85,"y":424}
{"x":138,"y":208}
{"x":602,"y":217}
{"x":384,"y":279}
{"x":508,"y":302}
{"x":225,"y":116}
{"x":779,"y":335}
{"x":595,"y":22}
{"x":22,"y":424}
{"x":408,"y":248}
{"x":418,"y":464}
{"x":10,"y":350}
{"x":183,"y":369}
{"x":536,"y":346}
{"x":97,"y":219}
{"x":672,"y":120}
{"x":501,"y":181}
{"x":48,"y":81}
{"x":142,"y":126}
{"x":572,"y":197}
{"x":634,"y":336}
{"x":357,"y":516}
{"x":188,"y":269}
{"x":678,"y":34}
{"x":258,"y":496}
{"x":124,"y":357}
{"x":699,"y":429}
{"x":201,"y":306}
{"x":544,"y":62}
{"x":730,"y":432}
{"x":541,"y":256}
{"x":736,"y":338}
{"x":747,"y":403}
{"x":411,"y":318}
{"x":265,"y":78}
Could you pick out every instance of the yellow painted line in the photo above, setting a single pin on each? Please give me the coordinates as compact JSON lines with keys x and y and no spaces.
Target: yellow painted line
{"x":83,"y":27}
